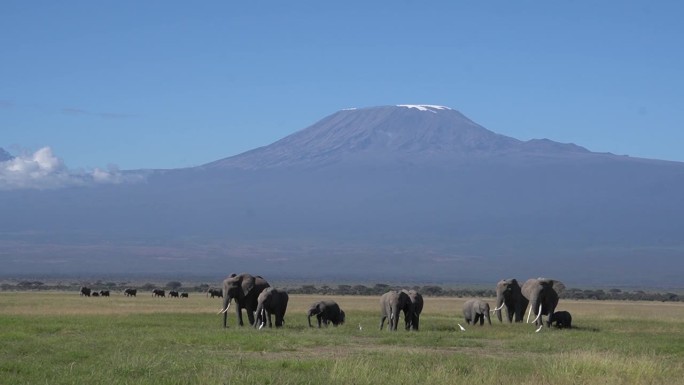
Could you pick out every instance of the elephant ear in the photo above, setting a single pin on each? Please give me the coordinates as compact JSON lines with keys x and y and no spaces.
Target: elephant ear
{"x":247,"y":284}
{"x":558,"y":286}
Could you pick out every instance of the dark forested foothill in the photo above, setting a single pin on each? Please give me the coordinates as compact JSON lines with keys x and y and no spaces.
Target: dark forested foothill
{"x":345,"y":289}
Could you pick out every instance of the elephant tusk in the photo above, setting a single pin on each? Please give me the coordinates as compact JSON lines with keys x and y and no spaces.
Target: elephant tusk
{"x":539,"y":314}
{"x":498,"y":308}
{"x":539,"y":328}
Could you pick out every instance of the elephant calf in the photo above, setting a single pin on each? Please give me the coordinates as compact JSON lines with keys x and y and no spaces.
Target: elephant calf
{"x":562,"y":319}
{"x":475,"y":310}
{"x":271,"y":301}
{"x":326,"y":312}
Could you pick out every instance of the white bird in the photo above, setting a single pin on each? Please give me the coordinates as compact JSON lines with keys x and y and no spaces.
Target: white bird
{"x":461,"y":327}
{"x":360,"y":327}
{"x":539,"y":328}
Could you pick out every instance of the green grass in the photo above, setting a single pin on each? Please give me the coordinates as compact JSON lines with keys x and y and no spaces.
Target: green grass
{"x":61,"y":338}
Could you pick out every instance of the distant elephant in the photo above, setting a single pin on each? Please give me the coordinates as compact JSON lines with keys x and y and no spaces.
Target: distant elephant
{"x":562,"y":319}
{"x":104,"y":293}
{"x":173,"y":294}
{"x":509,"y":295}
{"x":158,"y":293}
{"x":475,"y":310}
{"x":84,"y":291}
{"x":326,"y":312}
{"x":130,"y":292}
{"x":245,"y":290}
{"x":184,"y":295}
{"x":541,"y":292}
{"x":95,"y":294}
{"x":271,"y":301}
{"x":391,"y":304}
{"x":214,"y":293}
{"x":412,"y":320}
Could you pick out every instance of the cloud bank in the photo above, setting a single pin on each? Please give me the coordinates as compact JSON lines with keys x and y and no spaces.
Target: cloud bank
{"x":43,"y":170}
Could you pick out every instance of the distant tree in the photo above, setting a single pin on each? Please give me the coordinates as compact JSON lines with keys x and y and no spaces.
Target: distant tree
{"x":173,"y":285}
{"x":148,"y":286}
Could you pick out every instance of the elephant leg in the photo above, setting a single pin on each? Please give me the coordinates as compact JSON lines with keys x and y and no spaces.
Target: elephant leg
{"x":250,"y":316}
{"x":238,"y":312}
{"x":382,"y":321}
{"x":319,"y":317}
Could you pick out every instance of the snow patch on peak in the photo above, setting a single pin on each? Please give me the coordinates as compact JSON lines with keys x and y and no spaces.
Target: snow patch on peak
{"x":424,"y":107}
{"x":349,"y":109}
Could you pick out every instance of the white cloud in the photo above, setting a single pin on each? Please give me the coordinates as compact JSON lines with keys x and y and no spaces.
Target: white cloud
{"x":43,"y":170}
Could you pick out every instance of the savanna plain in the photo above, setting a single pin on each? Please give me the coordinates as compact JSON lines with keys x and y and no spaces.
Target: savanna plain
{"x":62,"y":338}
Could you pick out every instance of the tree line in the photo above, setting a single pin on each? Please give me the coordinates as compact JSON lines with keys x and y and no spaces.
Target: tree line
{"x":358,"y":289}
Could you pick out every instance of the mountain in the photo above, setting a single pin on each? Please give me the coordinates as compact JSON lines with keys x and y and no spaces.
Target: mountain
{"x":390,"y":194}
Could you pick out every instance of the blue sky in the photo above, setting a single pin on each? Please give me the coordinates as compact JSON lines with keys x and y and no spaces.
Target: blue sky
{"x":166,"y":84}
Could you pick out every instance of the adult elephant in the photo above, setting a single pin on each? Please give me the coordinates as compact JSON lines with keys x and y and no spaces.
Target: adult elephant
{"x":270,"y":302}
{"x":84,"y":291}
{"x":326,"y":312}
{"x":412,"y":319}
{"x":543,"y":297}
{"x":391,"y":304}
{"x":475,"y":310}
{"x":130,"y":292}
{"x":244,"y":289}
{"x":509,"y":295}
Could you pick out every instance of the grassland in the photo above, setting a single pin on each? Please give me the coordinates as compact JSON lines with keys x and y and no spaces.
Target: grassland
{"x":61,"y":338}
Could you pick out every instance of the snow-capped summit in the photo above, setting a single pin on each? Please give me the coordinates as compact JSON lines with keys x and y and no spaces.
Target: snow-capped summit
{"x":424,"y":107}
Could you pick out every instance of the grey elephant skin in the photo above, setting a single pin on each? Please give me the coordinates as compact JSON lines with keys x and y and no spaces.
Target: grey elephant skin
{"x":391,"y":304}
{"x":326,"y":312}
{"x":244,"y":289}
{"x":271,"y":302}
{"x":509,"y":296}
{"x":476,"y":310}
{"x":561,"y":319}
{"x":412,"y":320}
{"x":541,"y":292}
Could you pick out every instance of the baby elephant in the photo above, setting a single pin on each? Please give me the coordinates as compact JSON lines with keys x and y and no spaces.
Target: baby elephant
{"x":326,"y":312}
{"x":474,"y":310}
{"x":562,"y":319}
{"x":271,"y":301}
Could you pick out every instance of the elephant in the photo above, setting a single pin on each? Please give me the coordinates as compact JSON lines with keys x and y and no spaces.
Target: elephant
{"x":130,"y":292}
{"x":543,"y":298}
{"x":509,"y":295}
{"x":84,"y":291}
{"x":326,"y":312}
{"x":271,"y":301}
{"x":104,"y":293}
{"x":412,"y":320}
{"x":391,"y":303}
{"x":184,"y":295}
{"x":158,"y":293}
{"x":95,"y":294}
{"x":475,"y":310}
{"x":214,"y":293}
{"x":244,"y":289}
{"x":562,"y":319}
{"x":173,"y":294}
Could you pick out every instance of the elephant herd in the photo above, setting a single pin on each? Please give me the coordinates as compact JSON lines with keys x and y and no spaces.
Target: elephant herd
{"x":87,"y":292}
{"x":262,"y":302}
